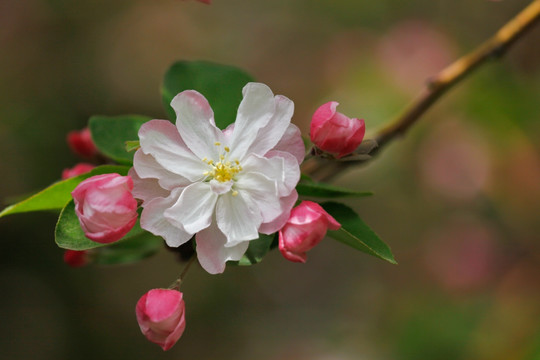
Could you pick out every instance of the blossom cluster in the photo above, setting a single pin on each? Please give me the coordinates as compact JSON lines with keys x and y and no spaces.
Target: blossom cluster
{"x":193,"y":185}
{"x":222,"y":188}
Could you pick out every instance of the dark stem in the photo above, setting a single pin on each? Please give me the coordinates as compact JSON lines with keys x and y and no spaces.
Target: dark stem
{"x":176,"y":285}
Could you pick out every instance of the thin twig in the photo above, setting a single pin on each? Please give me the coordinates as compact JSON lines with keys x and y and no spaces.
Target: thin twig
{"x":176,"y":285}
{"x":493,"y":48}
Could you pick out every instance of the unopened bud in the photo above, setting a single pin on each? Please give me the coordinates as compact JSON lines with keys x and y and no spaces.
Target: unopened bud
{"x":334,"y":132}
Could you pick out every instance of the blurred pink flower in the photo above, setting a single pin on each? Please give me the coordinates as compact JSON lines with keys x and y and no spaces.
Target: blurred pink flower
{"x":455,"y":161}
{"x":462,"y":254}
{"x":76,"y":258}
{"x":81,"y":143}
{"x":412,"y":52}
{"x":161,"y":316}
{"x":305,"y":228}
{"x":334,"y":132}
{"x":80,"y":168}
{"x":105,"y":207}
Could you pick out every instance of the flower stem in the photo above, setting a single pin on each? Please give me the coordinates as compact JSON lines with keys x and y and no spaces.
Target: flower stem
{"x":176,"y":284}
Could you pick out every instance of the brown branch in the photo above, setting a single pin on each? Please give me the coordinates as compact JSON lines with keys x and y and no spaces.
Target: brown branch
{"x":451,"y":75}
{"x":493,"y":48}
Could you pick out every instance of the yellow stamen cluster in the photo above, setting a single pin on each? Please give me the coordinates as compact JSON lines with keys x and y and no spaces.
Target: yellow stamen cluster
{"x":223,"y":170}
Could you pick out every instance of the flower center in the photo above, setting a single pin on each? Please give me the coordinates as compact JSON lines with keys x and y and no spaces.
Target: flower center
{"x":223,"y":170}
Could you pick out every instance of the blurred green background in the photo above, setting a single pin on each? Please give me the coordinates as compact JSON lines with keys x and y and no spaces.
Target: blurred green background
{"x":457,"y":199}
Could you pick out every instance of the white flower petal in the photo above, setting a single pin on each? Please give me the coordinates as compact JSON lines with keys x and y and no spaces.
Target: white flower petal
{"x":146,"y":189}
{"x":160,"y":139}
{"x":261,"y":193}
{"x":221,"y":187}
{"x":194,"y":208}
{"x":152,"y":219}
{"x":211,"y":250}
{"x":195,"y":123}
{"x":147,"y":167}
{"x":292,"y":142}
{"x":287,"y":204}
{"x":254,"y":112}
{"x":291,"y":171}
{"x":237,"y":218}
{"x":279,"y":166}
{"x":270,"y":135}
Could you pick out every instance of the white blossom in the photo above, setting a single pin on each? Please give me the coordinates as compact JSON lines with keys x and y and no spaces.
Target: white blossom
{"x":224,"y":186}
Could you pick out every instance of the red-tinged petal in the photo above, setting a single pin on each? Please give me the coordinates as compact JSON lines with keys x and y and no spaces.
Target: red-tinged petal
{"x":334,"y":132}
{"x":105,"y":207}
{"x":79,"y":169}
{"x":161,"y":316}
{"x":292,"y":143}
{"x":81,"y":143}
{"x":146,"y":189}
{"x":358,"y":130}
{"x":76,"y":258}
{"x":305,"y":228}
{"x":323,"y":114}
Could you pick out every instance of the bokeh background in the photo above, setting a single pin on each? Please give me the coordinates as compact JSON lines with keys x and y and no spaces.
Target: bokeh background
{"x":457,"y":199}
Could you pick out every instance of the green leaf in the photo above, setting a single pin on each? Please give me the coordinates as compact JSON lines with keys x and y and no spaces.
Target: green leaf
{"x":130,"y":250}
{"x":306,"y":178}
{"x":257,"y":250}
{"x":221,"y":85}
{"x":310,"y":188}
{"x":110,"y":134}
{"x":56,"y":196}
{"x":132,"y":145}
{"x":355,"y":233}
{"x":69,"y":234}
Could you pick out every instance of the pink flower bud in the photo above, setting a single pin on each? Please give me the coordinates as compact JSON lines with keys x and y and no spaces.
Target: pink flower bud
{"x":80,"y":168}
{"x":80,"y":142}
{"x":334,"y":132}
{"x":160,"y":314}
{"x":76,"y":258}
{"x":105,"y":207}
{"x":306,"y":227}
